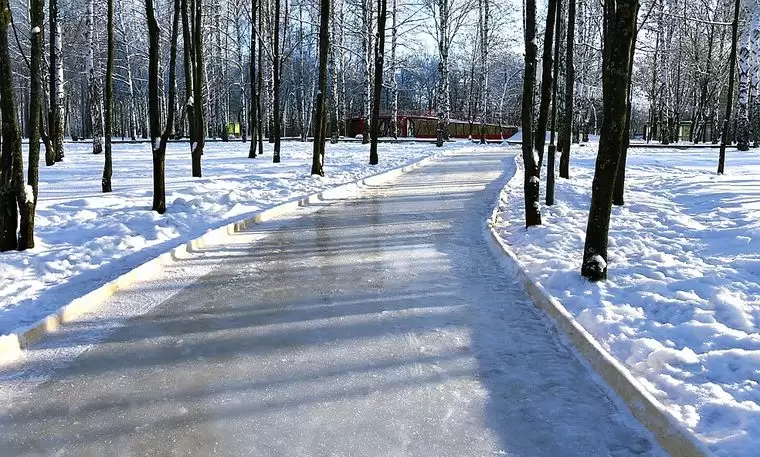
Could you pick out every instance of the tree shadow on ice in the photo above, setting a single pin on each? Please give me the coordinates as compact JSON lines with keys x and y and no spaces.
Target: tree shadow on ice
{"x":352,"y":322}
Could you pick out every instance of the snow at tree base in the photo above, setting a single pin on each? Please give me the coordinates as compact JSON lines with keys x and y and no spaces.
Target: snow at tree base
{"x":681,"y":307}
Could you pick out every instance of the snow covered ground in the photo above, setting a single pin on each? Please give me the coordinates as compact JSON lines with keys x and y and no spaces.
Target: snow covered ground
{"x":86,"y":238}
{"x":682,"y":306}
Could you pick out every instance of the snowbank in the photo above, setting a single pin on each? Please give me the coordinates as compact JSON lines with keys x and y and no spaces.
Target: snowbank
{"x":682,"y":306}
{"x":86,"y":238}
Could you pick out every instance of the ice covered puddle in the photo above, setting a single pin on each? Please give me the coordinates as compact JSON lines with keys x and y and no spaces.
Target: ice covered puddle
{"x":682,"y":305}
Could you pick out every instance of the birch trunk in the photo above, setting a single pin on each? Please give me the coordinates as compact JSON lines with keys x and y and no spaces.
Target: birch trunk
{"x":93,"y":83}
{"x":56,"y":114}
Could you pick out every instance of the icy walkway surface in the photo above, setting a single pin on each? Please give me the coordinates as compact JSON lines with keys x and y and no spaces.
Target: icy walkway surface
{"x":380,"y":325}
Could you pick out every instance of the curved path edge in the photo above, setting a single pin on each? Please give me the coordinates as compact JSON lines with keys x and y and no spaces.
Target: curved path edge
{"x":673,"y":436}
{"x":12,"y":345}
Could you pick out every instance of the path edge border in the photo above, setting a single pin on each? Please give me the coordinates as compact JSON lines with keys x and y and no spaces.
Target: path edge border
{"x":673,"y":436}
{"x":13,"y":344}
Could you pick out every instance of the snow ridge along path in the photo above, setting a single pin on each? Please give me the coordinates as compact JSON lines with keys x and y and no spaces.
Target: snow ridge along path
{"x":373,"y":326}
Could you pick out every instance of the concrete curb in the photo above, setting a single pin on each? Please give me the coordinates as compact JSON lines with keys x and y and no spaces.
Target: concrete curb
{"x":673,"y":436}
{"x":13,"y":344}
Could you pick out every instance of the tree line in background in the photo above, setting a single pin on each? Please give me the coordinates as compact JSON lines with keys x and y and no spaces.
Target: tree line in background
{"x":270,"y":69}
{"x":249,"y":68}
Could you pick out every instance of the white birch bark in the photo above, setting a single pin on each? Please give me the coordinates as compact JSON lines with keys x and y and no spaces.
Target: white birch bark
{"x":93,"y":83}
{"x":367,"y":47}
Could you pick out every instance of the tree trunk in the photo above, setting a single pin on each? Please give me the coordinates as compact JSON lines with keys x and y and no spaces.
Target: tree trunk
{"x":564,"y":143}
{"x":252,"y":77}
{"x":93,"y":85}
{"x":189,"y":69}
{"x":198,"y":83}
{"x":394,"y":82}
{"x":379,"y":58}
{"x":56,"y":114}
{"x":335,"y":94}
{"x":742,"y":134}
{"x":108,"y":113}
{"x":324,"y":49}
{"x":443,"y":100}
{"x":367,"y":51}
{"x":260,"y":87}
{"x":276,"y":120}
{"x":484,"y":46}
{"x":530,"y":160}
{"x":12,"y":189}
{"x":546,"y":81}
{"x":158,"y":136}
{"x":27,"y":209}
{"x":619,"y":39}
{"x":729,"y":96}
{"x":550,"y":163}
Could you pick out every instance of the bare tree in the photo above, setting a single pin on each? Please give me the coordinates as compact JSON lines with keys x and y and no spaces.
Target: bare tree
{"x":619,"y":41}
{"x":56,"y":99}
{"x":320,"y":131}
{"x":160,"y":137}
{"x":108,"y":111}
{"x":566,"y":126}
{"x":12,"y":189}
{"x":28,"y":206}
{"x":382,"y":13}
{"x":530,"y":159}
{"x":546,"y":80}
{"x":93,"y":83}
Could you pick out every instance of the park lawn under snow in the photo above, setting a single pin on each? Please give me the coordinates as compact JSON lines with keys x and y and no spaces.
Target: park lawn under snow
{"x":682,"y":306}
{"x":86,"y":238}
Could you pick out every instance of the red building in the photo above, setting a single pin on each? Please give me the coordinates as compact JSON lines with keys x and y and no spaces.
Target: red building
{"x":416,"y":126}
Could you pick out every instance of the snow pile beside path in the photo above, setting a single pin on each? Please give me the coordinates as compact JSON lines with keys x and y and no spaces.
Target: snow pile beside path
{"x":682,"y":306}
{"x":86,"y":238}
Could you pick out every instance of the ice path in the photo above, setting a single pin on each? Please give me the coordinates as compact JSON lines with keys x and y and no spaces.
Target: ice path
{"x":376,"y":326}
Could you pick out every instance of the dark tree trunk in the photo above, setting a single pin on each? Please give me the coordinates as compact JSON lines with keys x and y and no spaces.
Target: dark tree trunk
{"x":618,"y":195}
{"x":567,"y":124}
{"x":379,"y":58}
{"x":198,"y":82}
{"x":252,"y":77}
{"x":189,"y":66}
{"x":158,"y":136}
{"x":320,"y":133}
{"x":729,"y":96}
{"x":550,"y":164}
{"x":12,"y":193}
{"x":108,"y":108}
{"x":530,"y":161}
{"x":27,"y":209}
{"x":619,"y":34}
{"x":259,"y":89}
{"x":546,"y":82}
{"x":276,"y":121}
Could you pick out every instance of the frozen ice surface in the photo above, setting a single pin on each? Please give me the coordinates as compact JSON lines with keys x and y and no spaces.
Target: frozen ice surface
{"x":381,"y":325}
